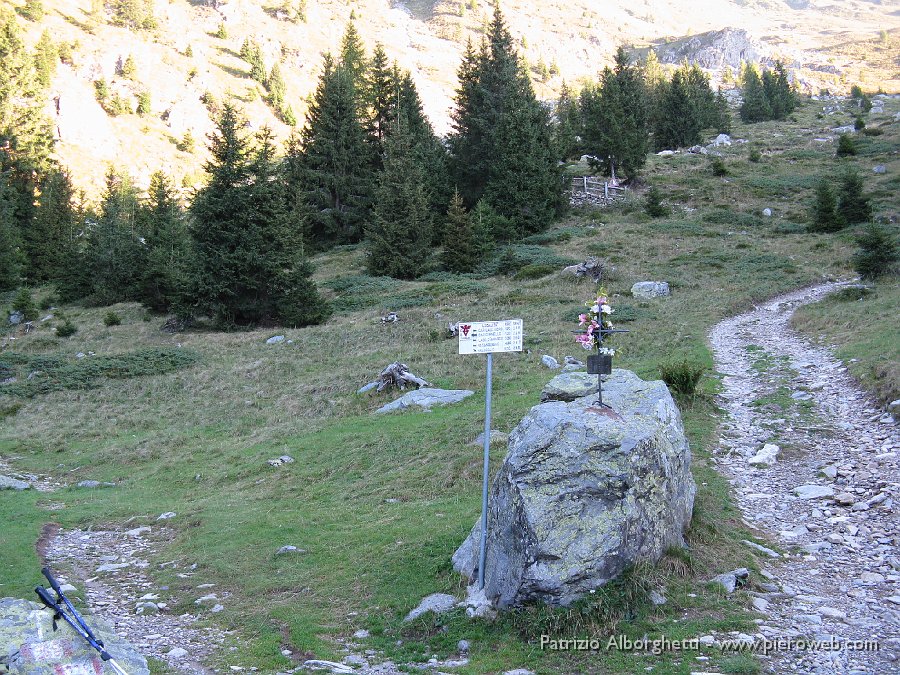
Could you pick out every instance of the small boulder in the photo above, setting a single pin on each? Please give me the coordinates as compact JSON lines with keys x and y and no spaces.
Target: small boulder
{"x":814,"y":491}
{"x":650,"y":289}
{"x":767,"y":212}
{"x":879,"y":169}
{"x":7,"y":483}
{"x":550,"y":362}
{"x":167,"y":515}
{"x":766,"y":456}
{"x":497,"y":438}
{"x":177,"y":653}
{"x":15,"y":318}
{"x":721,"y":140}
{"x":426,"y":398}
{"x":439,"y":603}
{"x":732,"y":580}
{"x":275,"y":339}
{"x":289,"y":550}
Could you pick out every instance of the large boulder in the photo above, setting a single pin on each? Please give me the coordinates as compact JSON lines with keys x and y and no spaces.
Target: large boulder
{"x":28,"y":644}
{"x":569,"y":386}
{"x":583,"y":494}
{"x":650,"y":289}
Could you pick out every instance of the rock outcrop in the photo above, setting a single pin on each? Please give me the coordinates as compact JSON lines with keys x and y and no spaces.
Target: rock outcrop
{"x":28,"y":644}
{"x":584,"y":494}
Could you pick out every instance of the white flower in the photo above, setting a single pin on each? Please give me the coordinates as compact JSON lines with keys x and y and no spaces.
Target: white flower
{"x":606,"y":309}
{"x":595,"y":309}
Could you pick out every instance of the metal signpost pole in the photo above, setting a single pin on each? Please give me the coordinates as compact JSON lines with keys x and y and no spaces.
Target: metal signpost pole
{"x":482,"y":554}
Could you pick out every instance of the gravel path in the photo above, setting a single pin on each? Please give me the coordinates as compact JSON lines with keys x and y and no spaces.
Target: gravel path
{"x":830,"y":500}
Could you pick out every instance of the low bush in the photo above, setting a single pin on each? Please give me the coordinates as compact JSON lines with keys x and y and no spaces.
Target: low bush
{"x":533,"y":272}
{"x":67,"y":329}
{"x":682,"y":377}
{"x":112,"y":319}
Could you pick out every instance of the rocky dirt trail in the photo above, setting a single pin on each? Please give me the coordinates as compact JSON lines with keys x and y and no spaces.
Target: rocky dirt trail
{"x":828,"y":501}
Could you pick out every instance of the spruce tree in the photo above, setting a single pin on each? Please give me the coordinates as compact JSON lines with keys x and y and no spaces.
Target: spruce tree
{"x":853,"y":204}
{"x":567,"y":124}
{"x":825,"y":217}
{"x":460,"y":254}
{"x":877,"y":255}
{"x":494,"y":156}
{"x":381,"y":98}
{"x":755,"y":107}
{"x":11,"y":256}
{"x":614,"y":118}
{"x":45,"y":59}
{"x":164,"y":276}
{"x":53,"y":226}
{"x":400,"y":235}
{"x":678,"y":123}
{"x":333,"y":178}
{"x":275,"y":85}
{"x":353,"y":59}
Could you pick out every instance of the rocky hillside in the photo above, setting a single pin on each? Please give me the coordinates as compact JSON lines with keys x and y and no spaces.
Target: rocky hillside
{"x":193,"y":51}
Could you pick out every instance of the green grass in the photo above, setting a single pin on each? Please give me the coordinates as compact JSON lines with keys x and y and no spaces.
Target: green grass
{"x":195,"y":439}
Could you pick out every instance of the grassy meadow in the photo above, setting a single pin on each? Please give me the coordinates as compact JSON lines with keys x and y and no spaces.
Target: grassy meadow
{"x":381,"y":503}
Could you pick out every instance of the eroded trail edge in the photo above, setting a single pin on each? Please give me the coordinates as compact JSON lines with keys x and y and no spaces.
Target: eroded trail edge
{"x":828,"y":501}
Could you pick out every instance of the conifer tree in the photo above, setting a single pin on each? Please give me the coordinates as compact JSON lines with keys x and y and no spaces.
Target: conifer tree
{"x":275,"y":85}
{"x":46,"y":57}
{"x":381,"y":98}
{"x":853,"y":204}
{"x":825,"y":217}
{"x":400,"y":234}
{"x":614,"y":119}
{"x":502,"y":143}
{"x":460,"y":254}
{"x":755,"y":107}
{"x":11,"y":256}
{"x":168,"y":247}
{"x":353,"y":59}
{"x":678,"y":123}
{"x":877,"y":254}
{"x":333,"y":177}
{"x":568,"y":122}
{"x":53,"y":225}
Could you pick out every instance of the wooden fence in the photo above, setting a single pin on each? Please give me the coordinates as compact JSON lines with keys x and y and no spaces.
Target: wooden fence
{"x":597,"y":190}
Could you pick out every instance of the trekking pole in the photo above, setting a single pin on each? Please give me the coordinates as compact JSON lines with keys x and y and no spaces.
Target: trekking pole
{"x":78,"y":627}
{"x":54,"y":584}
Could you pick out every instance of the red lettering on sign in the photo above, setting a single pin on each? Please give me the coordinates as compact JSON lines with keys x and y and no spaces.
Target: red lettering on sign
{"x":465,"y":330}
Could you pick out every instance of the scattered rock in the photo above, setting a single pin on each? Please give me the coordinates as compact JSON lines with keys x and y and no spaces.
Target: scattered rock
{"x":137,"y":531}
{"x":439,"y":603}
{"x":167,"y":515}
{"x":463,"y":646}
{"x":628,"y":487}
{"x":146,"y":608}
{"x":832,"y":613}
{"x":657,"y":598}
{"x":766,"y":456}
{"x":361,"y":634}
{"x":210,"y":599}
{"x":478,"y":606}
{"x":650,"y":289}
{"x":721,"y":140}
{"x":732,"y":580}
{"x":177,"y":653}
{"x":592,"y":268}
{"x":879,"y":169}
{"x":7,"y":483}
{"x":112,"y":567}
{"x":760,"y":604}
{"x":550,"y":362}
{"x":275,"y":339}
{"x":814,"y":491}
{"x":829,"y":472}
{"x":367,"y":388}
{"x":284,"y":459}
{"x":319,"y":664}
{"x":767,"y":212}
{"x":762,"y":549}
{"x":846,"y":129}
{"x":391,"y":317}
{"x":92,"y":484}
{"x":426,"y":398}
{"x":286,"y":550}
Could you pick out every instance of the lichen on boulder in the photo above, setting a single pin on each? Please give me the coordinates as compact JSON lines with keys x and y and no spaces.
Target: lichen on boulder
{"x":582,"y":495}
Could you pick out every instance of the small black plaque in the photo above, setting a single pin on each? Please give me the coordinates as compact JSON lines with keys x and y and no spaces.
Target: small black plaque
{"x":599,"y":364}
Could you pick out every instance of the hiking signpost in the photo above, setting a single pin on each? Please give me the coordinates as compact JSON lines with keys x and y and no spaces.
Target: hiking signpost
{"x":488,"y":337}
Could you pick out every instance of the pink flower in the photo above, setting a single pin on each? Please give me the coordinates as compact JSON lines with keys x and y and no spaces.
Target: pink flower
{"x":582,"y":319}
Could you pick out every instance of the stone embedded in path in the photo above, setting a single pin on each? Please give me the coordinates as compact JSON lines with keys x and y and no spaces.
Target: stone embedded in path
{"x":582,"y":495}
{"x":814,"y":491}
{"x":762,"y":549}
{"x":425,"y":398}
{"x":93,"y":484}
{"x":650,"y":289}
{"x":766,"y":456}
{"x":569,"y":386}
{"x":439,"y":603}
{"x":731,"y":580}
{"x":7,"y":483}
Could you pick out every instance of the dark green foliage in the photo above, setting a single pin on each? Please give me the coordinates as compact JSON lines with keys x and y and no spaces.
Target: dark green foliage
{"x":756,"y":107}
{"x":247,"y":264}
{"x":143,"y":105}
{"x":754,"y":155}
{"x":56,"y":373}
{"x":460,"y":254}
{"x":717,"y":166}
{"x":222,"y":31}
{"x":873,"y":131}
{"x":846,"y":146}
{"x":275,"y":85}
{"x":66,"y":329}
{"x":11,"y":254}
{"x":189,"y":51}
{"x":682,"y":377}
{"x":24,"y":303}
{"x":859,"y":123}
{"x":860,"y":98}
{"x":164,"y":276}
{"x":825,"y":217}
{"x":614,"y":119}
{"x":49,"y":237}
{"x":329,"y":170}
{"x":878,"y":253}
{"x":654,"y":207}
{"x":567,"y":123}
{"x":853,"y":204}
{"x":101,"y":90}
{"x":400,"y":234}
{"x":353,"y":58}
{"x":133,"y":14}
{"x":187,"y":142}
{"x":502,"y":145}
{"x":111,"y":319}
{"x":251,"y":53}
